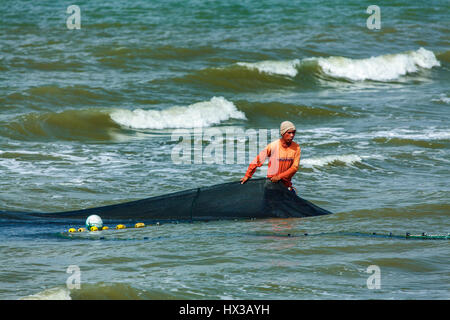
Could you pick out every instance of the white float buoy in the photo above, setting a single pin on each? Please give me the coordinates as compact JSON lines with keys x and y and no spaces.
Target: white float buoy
{"x":94,"y":221}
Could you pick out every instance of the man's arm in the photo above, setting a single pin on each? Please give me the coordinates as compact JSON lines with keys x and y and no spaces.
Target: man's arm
{"x":257,"y":162}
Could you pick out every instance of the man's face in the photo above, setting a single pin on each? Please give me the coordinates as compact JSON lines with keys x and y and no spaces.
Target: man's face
{"x":288,"y":136}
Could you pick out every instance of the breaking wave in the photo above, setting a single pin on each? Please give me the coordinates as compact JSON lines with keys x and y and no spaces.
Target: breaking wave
{"x":381,"y":68}
{"x":307,"y":72}
{"x":200,"y":114}
{"x":334,"y":160}
{"x":109,"y":124}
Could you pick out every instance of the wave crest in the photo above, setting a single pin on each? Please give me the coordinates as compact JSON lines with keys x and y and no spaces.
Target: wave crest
{"x":283,"y":68}
{"x":381,"y":68}
{"x":311,"y":71}
{"x":330,"y":160}
{"x":200,"y":114}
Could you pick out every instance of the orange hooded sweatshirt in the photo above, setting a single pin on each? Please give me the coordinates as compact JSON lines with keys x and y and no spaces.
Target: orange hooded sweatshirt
{"x":283,"y":162}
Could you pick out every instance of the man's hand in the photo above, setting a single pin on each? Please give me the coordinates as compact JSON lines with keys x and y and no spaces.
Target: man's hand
{"x":244,"y":179}
{"x":275,"y":179}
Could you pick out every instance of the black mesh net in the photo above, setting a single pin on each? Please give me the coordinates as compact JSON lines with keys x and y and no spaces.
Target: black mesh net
{"x":257,"y":198}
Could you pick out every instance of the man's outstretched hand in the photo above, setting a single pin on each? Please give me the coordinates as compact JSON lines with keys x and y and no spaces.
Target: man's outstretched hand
{"x":244,"y":179}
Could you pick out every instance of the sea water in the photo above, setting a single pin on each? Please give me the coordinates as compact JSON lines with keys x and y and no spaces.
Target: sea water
{"x":92,"y":114}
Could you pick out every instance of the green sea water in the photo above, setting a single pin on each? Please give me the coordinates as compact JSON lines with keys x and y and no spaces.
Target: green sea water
{"x":88,"y":117}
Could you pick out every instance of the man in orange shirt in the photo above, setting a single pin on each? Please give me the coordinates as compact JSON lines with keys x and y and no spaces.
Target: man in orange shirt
{"x":284,"y":157}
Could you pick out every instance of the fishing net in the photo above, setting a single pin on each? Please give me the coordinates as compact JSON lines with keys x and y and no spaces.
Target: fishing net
{"x":257,"y":198}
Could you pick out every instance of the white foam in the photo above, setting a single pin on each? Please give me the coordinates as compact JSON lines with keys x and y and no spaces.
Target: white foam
{"x":52,"y":154}
{"x":283,"y":68}
{"x":201,"y":114}
{"x":425,"y":134}
{"x":442,"y":98}
{"x":323,"y":161}
{"x":58,"y":293}
{"x":380,"y":68}
{"x":323,"y":135}
{"x":19,"y":167}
